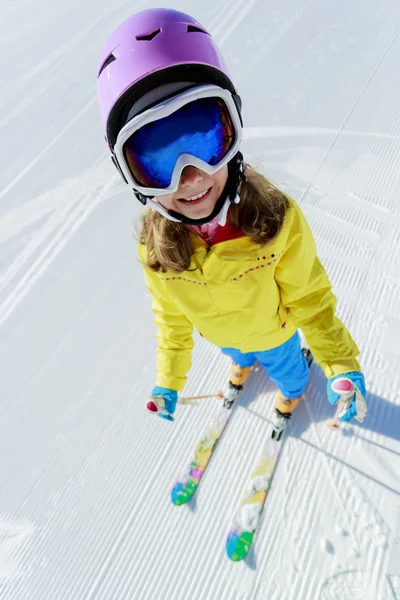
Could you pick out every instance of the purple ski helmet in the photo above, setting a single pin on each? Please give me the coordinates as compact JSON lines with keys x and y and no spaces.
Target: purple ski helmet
{"x":156,"y":49}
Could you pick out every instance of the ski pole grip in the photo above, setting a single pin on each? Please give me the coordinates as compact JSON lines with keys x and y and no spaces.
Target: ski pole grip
{"x":344,"y":387}
{"x":155,"y":407}
{"x":152,"y":406}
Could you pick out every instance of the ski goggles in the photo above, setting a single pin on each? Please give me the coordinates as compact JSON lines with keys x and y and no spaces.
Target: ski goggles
{"x":200,"y":127}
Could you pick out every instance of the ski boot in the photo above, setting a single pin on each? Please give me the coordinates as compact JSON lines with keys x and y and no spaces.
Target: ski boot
{"x":236,"y":381}
{"x":285,"y":406}
{"x":284,"y":409}
{"x":239,"y":374}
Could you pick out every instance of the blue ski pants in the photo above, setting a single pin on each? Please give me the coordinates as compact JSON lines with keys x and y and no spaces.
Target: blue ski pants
{"x":285,"y":365}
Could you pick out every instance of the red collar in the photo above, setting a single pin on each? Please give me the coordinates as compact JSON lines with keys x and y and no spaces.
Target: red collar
{"x":227,"y":232}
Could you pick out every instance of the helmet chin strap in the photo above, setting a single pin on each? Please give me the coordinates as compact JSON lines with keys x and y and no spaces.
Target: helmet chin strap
{"x":230,"y":195}
{"x":186,"y":221}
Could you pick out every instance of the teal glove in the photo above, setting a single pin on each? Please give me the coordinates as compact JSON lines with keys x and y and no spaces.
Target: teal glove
{"x":348,"y":388}
{"x":163,"y":402}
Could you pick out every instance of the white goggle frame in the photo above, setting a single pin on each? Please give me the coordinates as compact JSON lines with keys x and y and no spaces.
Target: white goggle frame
{"x":164,"y":109}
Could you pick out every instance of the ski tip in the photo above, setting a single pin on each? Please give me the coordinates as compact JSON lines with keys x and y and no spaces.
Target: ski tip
{"x":152,"y":407}
{"x":238,"y":544}
{"x":176,"y":494}
{"x":180,"y":494}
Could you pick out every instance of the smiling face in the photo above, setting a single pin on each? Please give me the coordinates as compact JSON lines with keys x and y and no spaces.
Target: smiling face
{"x":197,"y":193}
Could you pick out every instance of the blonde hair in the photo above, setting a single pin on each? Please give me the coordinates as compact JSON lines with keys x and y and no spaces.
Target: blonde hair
{"x":259,"y":214}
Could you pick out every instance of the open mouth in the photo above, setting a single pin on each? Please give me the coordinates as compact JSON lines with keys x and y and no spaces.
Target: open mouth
{"x":198,"y":198}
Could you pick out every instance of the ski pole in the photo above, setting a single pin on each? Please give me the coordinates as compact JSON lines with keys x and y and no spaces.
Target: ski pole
{"x":193,"y":400}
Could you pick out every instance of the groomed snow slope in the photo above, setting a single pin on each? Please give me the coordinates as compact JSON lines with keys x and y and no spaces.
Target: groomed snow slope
{"x":85,"y":471}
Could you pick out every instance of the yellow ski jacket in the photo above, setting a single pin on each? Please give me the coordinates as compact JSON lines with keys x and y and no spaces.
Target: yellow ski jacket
{"x":239,"y":295}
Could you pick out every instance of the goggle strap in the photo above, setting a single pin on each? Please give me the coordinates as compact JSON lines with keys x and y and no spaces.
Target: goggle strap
{"x":118,"y":167}
{"x":238,"y":102}
{"x":141,"y":197}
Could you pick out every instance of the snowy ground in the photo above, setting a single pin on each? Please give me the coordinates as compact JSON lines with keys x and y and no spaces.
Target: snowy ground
{"x":85,"y":471}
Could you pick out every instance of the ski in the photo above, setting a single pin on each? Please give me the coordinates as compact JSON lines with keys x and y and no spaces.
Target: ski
{"x":243,"y":528}
{"x":186,"y":486}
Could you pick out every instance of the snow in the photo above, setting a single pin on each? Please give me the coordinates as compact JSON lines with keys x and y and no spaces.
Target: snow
{"x":85,"y":471}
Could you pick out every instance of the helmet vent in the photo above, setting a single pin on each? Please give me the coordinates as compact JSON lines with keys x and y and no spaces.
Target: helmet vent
{"x":194,"y":29}
{"x":147,"y":37}
{"x":105,"y":64}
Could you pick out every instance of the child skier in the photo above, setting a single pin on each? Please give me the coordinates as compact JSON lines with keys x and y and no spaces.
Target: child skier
{"x":223,"y":250}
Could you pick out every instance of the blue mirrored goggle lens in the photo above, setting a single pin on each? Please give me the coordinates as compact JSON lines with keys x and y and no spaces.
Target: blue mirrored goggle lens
{"x":202,"y":128}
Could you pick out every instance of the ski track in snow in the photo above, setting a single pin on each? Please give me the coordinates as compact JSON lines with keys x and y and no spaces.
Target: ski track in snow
{"x":65,"y":208}
{"x":86,"y":472}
